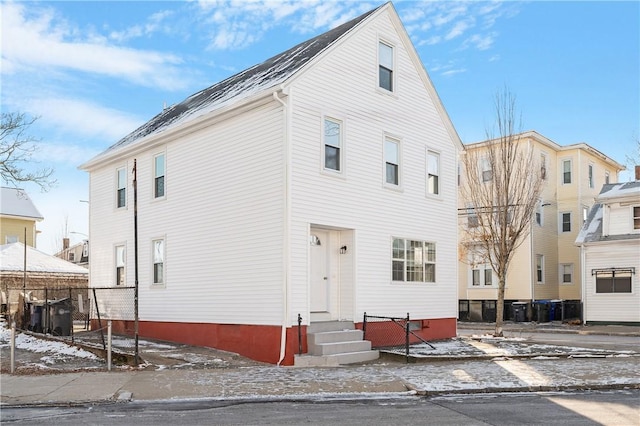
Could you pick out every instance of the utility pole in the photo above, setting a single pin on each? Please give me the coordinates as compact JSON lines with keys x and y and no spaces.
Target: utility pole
{"x":135,"y":251}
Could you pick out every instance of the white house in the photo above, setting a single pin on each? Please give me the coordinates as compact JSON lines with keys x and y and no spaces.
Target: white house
{"x":319,"y":184}
{"x":610,"y":247}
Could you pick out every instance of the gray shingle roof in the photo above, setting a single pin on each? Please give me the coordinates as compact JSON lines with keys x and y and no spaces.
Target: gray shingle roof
{"x":16,"y":202}
{"x":253,"y":80}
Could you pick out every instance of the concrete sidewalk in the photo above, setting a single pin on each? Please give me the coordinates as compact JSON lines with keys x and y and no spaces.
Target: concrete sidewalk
{"x":243,"y":379}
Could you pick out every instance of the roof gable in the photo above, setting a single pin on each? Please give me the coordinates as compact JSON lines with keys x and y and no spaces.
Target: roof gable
{"x":260,"y":77}
{"x":16,"y":202}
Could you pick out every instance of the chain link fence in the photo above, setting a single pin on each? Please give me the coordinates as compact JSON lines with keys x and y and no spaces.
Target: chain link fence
{"x":76,"y":315}
{"x":391,"y":334}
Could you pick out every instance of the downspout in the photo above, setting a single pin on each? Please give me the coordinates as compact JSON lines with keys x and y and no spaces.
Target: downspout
{"x":286,"y":225}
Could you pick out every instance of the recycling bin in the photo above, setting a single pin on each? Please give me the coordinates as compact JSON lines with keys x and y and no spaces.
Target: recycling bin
{"x":555,"y":310}
{"x":541,"y":308}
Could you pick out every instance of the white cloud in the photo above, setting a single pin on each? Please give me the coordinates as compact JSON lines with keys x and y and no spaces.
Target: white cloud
{"x":481,"y":42}
{"x":46,"y":42}
{"x":458,"y":29}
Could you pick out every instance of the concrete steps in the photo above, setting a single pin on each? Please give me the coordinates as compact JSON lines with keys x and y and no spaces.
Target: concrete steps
{"x":333,"y":343}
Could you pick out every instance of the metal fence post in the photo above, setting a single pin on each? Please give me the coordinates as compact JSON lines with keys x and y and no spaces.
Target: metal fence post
{"x":299,"y":334}
{"x":364,"y":327}
{"x":13,"y":347}
{"x":406,"y":341}
{"x":109,"y":345}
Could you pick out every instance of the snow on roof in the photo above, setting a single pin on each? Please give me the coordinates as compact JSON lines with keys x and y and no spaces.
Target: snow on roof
{"x":242,"y":85}
{"x":620,"y":190}
{"x":12,"y":259}
{"x":16,"y":202}
{"x":592,"y":228}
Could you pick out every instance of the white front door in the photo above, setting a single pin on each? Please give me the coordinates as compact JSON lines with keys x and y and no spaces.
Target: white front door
{"x":319,"y":271}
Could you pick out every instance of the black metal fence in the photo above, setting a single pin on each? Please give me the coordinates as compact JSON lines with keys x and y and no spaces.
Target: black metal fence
{"x":537,"y":311}
{"x":390,"y":333}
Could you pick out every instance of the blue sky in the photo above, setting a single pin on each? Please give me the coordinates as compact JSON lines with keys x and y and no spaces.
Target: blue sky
{"x":94,"y":71}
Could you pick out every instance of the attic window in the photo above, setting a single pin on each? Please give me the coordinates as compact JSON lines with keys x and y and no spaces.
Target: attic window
{"x":385,"y":66}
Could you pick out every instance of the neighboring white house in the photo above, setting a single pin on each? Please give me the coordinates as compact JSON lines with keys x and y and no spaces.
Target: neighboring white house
{"x":610,"y":247}
{"x":320,"y":183}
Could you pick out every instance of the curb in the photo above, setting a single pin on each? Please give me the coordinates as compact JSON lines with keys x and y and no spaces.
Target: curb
{"x":523,"y":389}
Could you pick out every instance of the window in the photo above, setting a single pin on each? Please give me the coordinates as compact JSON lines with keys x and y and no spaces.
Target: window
{"x":392,"y":161}
{"x":487,"y":172}
{"x":566,"y":171}
{"x":539,"y":268}
{"x":122,"y":188}
{"x":488,"y":276}
{"x":158,"y":261}
{"x":158,"y":182}
{"x":591,"y":184}
{"x":543,"y":166}
{"x":613,"y":280}
{"x":539,"y":215}
{"x":332,"y":144}
{"x":72,"y":257}
{"x":472,"y":217}
{"x":10,"y":239}
{"x":566,"y":273}
{"x":413,"y":261}
{"x":585,"y":213}
{"x":433,"y":173}
{"x":120,"y":264}
{"x":606,"y":177}
{"x":475,"y":280}
{"x":385,"y":66}
{"x":482,"y":276}
{"x":566,"y":222}
{"x":636,"y":218}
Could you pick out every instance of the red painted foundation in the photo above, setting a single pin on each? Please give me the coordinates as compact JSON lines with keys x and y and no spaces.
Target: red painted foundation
{"x":260,"y":342}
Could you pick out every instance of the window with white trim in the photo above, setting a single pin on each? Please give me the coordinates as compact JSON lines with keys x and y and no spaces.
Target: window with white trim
{"x":585,"y":213}
{"x":433,"y":173}
{"x":158,"y":175}
{"x":472,"y":217}
{"x":636,"y":218}
{"x":566,"y":171}
{"x":392,"y":161}
{"x":158,"y":261}
{"x":539,"y":214}
{"x":540,"y":269}
{"x":591,"y":181}
{"x":543,"y":166}
{"x":606,"y":177}
{"x":566,"y":273}
{"x":332,"y":137}
{"x":565,"y":222}
{"x":482,"y":275}
{"x":121,"y":191}
{"x":120,"y":265}
{"x":385,"y":66}
{"x":413,"y":261}
{"x":487,"y":171}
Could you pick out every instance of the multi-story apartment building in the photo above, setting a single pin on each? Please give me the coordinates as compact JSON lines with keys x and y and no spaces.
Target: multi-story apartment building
{"x":547,"y":265}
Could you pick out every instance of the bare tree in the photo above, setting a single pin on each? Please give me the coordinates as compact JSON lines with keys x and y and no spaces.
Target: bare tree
{"x":16,"y":152}
{"x":502,"y":186}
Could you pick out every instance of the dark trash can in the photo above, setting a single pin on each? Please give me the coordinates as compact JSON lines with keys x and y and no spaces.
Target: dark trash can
{"x":541,"y":309}
{"x":60,"y":311}
{"x":519,"y":311}
{"x":35,"y":323}
{"x":555,"y":310}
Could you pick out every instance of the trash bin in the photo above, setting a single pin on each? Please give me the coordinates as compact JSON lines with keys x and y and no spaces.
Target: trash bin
{"x":555,"y":310}
{"x":60,"y":311}
{"x":519,"y":311}
{"x":35,"y":323}
{"x":541,"y":308}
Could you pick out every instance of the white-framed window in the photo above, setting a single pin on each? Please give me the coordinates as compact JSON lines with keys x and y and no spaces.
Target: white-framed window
{"x":472,"y":217}
{"x":413,"y":261}
{"x":636,"y":218}
{"x":591,"y":180}
{"x":121,"y":190}
{"x":120,"y":261}
{"x":566,"y":172}
{"x":433,"y":173}
{"x":385,"y":66}
{"x":158,"y":260}
{"x":543,"y":166}
{"x":392,"y":168}
{"x":566,"y":273}
{"x":482,"y":275}
{"x":565,"y":222}
{"x":487,"y":171}
{"x":332,"y":140}
{"x":606,"y":177}
{"x":159,"y":166}
{"x":540,"y":269}
{"x":585,"y":213}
